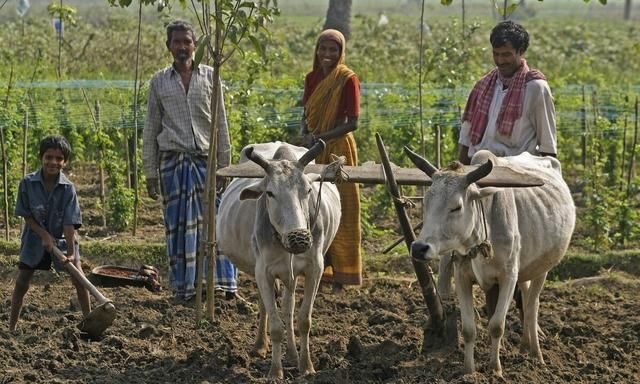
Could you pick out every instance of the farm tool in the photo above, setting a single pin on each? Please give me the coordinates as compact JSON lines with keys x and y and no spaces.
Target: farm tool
{"x":101,"y":317}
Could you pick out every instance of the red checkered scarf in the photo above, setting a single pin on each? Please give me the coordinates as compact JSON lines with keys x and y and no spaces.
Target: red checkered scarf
{"x":477,"y":108}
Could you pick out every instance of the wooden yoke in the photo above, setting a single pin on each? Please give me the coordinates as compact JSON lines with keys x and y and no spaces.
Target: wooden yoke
{"x":374,"y":174}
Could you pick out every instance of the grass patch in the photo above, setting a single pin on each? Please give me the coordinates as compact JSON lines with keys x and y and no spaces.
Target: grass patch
{"x":578,"y":264}
{"x":123,"y":254}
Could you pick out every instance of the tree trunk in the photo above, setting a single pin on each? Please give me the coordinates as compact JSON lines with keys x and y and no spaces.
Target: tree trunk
{"x":627,"y":9}
{"x":339,"y":17}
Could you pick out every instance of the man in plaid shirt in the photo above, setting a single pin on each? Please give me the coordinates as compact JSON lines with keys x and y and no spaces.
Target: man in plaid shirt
{"x":510,"y":110}
{"x":175,"y":147}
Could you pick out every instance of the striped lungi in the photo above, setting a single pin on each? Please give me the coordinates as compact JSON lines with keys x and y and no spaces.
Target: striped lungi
{"x":182,"y":179}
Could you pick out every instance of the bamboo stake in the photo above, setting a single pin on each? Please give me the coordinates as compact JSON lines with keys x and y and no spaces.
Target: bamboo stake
{"x":103,"y":189}
{"x":127,"y":150}
{"x":96,"y":125}
{"x":25,"y":137}
{"x":136,"y":198}
{"x":5,"y":164}
{"x":624,"y":148}
{"x":583,"y":121}
{"x":632,"y":158}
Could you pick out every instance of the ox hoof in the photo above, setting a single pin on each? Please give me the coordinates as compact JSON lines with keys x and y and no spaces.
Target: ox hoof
{"x":276,"y":374}
{"x":260,"y":351}
{"x":307,"y":372}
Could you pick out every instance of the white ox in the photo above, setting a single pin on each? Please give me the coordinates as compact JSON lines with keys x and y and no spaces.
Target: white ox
{"x":278,"y":227}
{"x":528,"y":230}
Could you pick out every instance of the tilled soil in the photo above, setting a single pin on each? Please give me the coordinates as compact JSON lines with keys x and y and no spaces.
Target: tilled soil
{"x":366,"y":335}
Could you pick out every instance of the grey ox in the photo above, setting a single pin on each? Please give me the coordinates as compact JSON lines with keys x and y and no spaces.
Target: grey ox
{"x":505,"y":236}
{"x":279,"y":227}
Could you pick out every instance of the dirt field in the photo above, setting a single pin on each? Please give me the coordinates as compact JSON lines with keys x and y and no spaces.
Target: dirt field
{"x":367,"y":335}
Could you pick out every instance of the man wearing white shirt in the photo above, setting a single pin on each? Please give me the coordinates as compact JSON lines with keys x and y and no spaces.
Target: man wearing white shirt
{"x":510,"y":110}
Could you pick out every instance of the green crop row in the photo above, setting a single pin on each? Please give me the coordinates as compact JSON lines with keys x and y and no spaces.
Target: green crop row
{"x":592,"y":69}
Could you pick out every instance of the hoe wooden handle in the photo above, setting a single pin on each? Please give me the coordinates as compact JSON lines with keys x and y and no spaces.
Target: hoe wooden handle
{"x":80,"y":276}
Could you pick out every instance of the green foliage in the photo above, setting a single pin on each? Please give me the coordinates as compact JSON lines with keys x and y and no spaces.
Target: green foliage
{"x":63,"y":12}
{"x":120,"y":198}
{"x":263,"y":90}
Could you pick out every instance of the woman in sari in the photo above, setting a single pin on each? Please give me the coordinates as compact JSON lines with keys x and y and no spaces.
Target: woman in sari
{"x":331,"y":108}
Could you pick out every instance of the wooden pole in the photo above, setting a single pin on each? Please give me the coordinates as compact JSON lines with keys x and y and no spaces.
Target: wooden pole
{"x":632,"y":157}
{"x":103,"y":189}
{"x":25,"y":138}
{"x":420,"y":65}
{"x":624,"y":148}
{"x":435,"y":335}
{"x":134,"y":177}
{"x":399,"y":240}
{"x":583,"y":123}
{"x":95,"y":117}
{"x":438,"y":133}
{"x":5,"y":161}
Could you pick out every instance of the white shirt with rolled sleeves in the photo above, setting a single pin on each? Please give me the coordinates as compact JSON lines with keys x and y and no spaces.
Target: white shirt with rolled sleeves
{"x":533,"y":132}
{"x":179,"y":122}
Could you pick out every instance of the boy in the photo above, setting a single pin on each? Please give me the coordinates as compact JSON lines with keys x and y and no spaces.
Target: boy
{"x":48,"y":202}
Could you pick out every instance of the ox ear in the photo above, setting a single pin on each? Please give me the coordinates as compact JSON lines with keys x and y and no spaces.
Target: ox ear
{"x":479,"y":193}
{"x":311,"y":154}
{"x":251,"y":192}
{"x":420,"y":162}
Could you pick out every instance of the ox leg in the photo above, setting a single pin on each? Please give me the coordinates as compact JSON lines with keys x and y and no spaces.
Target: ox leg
{"x":261,"y":347}
{"x":531,"y":307}
{"x":525,"y":341}
{"x":464,"y":292}
{"x":445,"y":273}
{"x":276,"y":328}
{"x":497,"y":321}
{"x":288,"y":306}
{"x":491,"y":299}
{"x":311,"y":285}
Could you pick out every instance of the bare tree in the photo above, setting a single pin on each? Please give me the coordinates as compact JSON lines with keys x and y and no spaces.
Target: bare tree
{"x":339,"y":17}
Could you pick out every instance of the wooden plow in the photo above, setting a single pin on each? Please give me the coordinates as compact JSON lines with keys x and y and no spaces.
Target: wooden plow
{"x":441,"y":332}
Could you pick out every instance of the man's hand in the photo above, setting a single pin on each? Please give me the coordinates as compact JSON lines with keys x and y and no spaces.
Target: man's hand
{"x":308,"y":140}
{"x":153,"y":188}
{"x":48,"y":242}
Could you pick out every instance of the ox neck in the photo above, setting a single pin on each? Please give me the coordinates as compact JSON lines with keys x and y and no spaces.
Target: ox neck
{"x":480,"y":231}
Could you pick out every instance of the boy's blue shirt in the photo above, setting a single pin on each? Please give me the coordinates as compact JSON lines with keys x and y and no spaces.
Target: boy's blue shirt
{"x":52,"y":211}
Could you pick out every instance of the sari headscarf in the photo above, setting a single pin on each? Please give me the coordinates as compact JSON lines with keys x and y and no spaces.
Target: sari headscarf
{"x":322,"y":106}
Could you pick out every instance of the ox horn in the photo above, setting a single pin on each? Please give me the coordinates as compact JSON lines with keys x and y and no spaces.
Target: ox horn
{"x":257,"y":158}
{"x":479,"y":172}
{"x":311,"y":153}
{"x":420,"y":162}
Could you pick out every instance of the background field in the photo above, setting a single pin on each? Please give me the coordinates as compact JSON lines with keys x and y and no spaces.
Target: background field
{"x":590,"y":55}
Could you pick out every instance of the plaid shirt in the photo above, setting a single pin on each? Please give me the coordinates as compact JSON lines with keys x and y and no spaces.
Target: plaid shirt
{"x":179,"y":122}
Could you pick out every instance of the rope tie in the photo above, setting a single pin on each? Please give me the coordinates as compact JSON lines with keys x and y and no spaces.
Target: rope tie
{"x":336,"y":166}
{"x":404,"y":201}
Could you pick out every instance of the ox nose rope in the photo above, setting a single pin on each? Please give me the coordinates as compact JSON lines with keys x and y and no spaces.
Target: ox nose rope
{"x":340,"y":176}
